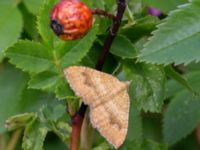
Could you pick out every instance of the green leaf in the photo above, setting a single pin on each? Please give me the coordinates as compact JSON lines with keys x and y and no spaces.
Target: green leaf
{"x":44,"y":81}
{"x":53,"y":113}
{"x":135,"y":124}
{"x":142,"y":28}
{"x":152,"y":145}
{"x":10,"y":25}
{"x":176,"y":40}
{"x":33,"y":6}
{"x":43,"y":22}
{"x":163,"y":5}
{"x":30,"y":56}
{"x":181,"y":117}
{"x":80,"y":50}
{"x":122,"y":47}
{"x":18,"y":121}
{"x":147,"y":85}
{"x":176,"y":76}
{"x":52,"y":116}
{"x":29,"y":22}
{"x":63,"y":90}
{"x":102,"y":146}
{"x":12,"y":84}
{"x":34,"y":136}
{"x":135,"y":129}
{"x":193,"y":78}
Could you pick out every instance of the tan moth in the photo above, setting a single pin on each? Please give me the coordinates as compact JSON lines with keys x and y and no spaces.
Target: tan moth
{"x":107,"y":98}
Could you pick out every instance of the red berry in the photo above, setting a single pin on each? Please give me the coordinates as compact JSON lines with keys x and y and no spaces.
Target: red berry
{"x":71,"y":19}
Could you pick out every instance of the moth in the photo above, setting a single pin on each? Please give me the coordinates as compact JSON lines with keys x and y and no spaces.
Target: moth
{"x":107,"y":98}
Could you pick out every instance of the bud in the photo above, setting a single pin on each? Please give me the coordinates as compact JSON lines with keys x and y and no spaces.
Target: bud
{"x":71,"y":19}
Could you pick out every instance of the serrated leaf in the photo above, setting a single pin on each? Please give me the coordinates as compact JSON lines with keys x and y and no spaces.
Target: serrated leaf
{"x":147,"y":85}
{"x":53,"y":113}
{"x":10,"y":25}
{"x":43,"y":22}
{"x":30,"y":56}
{"x":18,"y":121}
{"x":63,"y":130}
{"x":79,"y":51}
{"x":181,"y":117}
{"x":45,"y":81}
{"x":176,"y":40}
{"x":34,"y":136}
{"x":52,"y":117}
{"x":123,"y":47}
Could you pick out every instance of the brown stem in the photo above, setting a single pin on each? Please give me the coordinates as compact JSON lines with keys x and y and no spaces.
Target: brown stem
{"x":104,"y":13}
{"x":78,"y":118}
{"x":14,"y":139}
{"x":198,"y":135}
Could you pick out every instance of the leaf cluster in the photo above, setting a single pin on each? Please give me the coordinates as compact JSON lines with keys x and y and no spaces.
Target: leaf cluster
{"x":160,"y":56}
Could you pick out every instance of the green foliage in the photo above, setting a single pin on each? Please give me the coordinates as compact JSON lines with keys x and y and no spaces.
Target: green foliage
{"x":163,"y":6}
{"x":181,"y":117}
{"x":147,"y":85}
{"x":164,"y":97}
{"x":122,"y":47}
{"x":11,"y":22}
{"x":34,"y":136}
{"x":180,"y":29}
{"x":45,"y":61}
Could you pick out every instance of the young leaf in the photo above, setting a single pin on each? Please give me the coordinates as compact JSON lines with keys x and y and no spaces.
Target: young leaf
{"x":19,"y":121}
{"x":176,"y":40}
{"x":34,"y":136}
{"x":123,"y":47}
{"x":52,"y":116}
{"x":45,"y":81}
{"x":181,"y":117}
{"x":79,"y":51}
{"x":147,"y":85}
{"x":30,"y":56}
{"x":11,"y":25}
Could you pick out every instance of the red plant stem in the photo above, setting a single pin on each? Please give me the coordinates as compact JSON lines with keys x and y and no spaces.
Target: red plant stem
{"x":78,"y":118}
{"x":198,"y":135}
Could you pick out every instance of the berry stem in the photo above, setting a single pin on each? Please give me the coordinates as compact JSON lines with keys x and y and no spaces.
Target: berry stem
{"x":104,"y":13}
{"x":77,"y":120}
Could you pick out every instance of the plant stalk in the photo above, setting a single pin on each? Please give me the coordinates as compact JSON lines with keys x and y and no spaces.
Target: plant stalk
{"x":77,"y":120}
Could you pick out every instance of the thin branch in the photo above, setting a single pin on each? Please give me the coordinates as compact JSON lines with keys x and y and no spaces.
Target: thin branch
{"x":78,"y":118}
{"x":104,"y":13}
